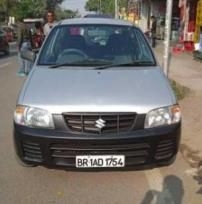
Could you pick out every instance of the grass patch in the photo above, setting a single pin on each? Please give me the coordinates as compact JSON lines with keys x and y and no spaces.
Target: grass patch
{"x":179,"y":90}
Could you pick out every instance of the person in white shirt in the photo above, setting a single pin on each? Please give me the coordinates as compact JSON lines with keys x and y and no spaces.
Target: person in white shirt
{"x":50,"y":22}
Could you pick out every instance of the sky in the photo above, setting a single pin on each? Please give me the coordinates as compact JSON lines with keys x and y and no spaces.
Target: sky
{"x":74,"y":5}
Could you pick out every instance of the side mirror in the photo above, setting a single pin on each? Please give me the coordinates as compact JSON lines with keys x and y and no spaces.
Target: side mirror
{"x":28,"y":55}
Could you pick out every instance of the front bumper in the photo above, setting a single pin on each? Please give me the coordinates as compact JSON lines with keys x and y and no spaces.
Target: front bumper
{"x":145,"y":148}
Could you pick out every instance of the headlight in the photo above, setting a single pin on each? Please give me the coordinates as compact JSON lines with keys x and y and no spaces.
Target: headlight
{"x":33,"y":117}
{"x":163,"y":116}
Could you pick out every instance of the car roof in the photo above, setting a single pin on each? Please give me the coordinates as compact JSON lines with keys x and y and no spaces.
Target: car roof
{"x":104,"y":21}
{"x":97,"y":16}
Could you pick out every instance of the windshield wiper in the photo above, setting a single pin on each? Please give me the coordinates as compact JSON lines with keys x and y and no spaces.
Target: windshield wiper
{"x":131,"y":64}
{"x":61,"y":65}
{"x":87,"y":62}
{"x":105,"y":64}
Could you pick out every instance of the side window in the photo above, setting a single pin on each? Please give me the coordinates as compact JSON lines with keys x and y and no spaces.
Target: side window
{"x":59,"y":42}
{"x":144,"y":53}
{"x":49,"y":51}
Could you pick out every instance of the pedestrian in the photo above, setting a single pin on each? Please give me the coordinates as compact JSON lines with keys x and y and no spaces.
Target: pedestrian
{"x":153,"y":31}
{"x":24,"y":43}
{"x":50,"y":22}
{"x":38,"y":36}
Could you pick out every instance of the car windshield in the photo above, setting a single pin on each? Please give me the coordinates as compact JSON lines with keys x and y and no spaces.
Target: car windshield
{"x":96,"y":45}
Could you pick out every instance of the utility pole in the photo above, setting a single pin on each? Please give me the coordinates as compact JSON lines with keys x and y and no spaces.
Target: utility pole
{"x":169,"y":5}
{"x":116,"y":8}
{"x":100,"y":7}
{"x":7,"y":11}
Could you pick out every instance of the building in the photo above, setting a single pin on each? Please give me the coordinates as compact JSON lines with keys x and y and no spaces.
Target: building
{"x":186,"y":18}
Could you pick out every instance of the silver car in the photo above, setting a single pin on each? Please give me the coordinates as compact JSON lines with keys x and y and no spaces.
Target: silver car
{"x":96,"y":98}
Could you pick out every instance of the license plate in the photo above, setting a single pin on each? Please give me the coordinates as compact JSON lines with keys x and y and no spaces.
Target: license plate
{"x":98,"y":161}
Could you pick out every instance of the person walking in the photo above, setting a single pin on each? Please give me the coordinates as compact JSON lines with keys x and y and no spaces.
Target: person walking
{"x":153,"y":31}
{"x":24,"y":43}
{"x":38,"y":36}
{"x":50,"y":22}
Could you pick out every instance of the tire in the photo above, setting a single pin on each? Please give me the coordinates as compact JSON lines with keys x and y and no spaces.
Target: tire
{"x":23,"y":163}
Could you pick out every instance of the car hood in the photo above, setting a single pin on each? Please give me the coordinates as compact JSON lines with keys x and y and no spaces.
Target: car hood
{"x":110,"y":90}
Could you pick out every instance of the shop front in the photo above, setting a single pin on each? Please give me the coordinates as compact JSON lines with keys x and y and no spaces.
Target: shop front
{"x":198,"y":27}
{"x":189,"y":25}
{"x":147,"y":8}
{"x":158,"y":9}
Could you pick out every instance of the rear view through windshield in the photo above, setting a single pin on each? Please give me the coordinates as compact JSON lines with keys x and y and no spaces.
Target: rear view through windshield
{"x":93,"y":45}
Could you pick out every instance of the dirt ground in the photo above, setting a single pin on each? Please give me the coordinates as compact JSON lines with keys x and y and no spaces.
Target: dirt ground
{"x":191,"y":107}
{"x":188,"y":73}
{"x":191,"y":141}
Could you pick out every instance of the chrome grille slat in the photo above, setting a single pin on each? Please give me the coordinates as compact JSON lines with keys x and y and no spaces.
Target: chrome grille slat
{"x":33,"y":155}
{"x":31,"y":147}
{"x":30,"y":143}
{"x":91,"y":128}
{"x":138,"y":152}
{"x":165,"y":145}
{"x":71,"y":153}
{"x":100,"y":147}
{"x":75,"y":122}
{"x":32,"y":151}
{"x":165,"y":149}
{"x":76,"y":127}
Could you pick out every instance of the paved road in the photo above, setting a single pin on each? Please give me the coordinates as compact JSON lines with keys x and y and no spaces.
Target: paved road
{"x":40,"y":185}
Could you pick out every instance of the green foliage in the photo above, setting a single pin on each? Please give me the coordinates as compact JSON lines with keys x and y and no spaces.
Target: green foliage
{"x":23,"y":8}
{"x":92,"y":5}
{"x":66,"y":14}
{"x":29,"y":9}
{"x":107,"y":6}
{"x":3,"y":5}
{"x":26,"y":8}
{"x":51,"y":4}
{"x":6,"y":8}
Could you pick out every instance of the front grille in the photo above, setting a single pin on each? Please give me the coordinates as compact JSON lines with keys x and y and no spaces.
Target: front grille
{"x":138,"y":151}
{"x":64,"y":154}
{"x":100,"y":123}
{"x":165,"y":149}
{"x":32,"y":151}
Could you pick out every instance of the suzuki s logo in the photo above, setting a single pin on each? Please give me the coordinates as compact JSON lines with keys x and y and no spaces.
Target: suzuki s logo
{"x":100,"y":123}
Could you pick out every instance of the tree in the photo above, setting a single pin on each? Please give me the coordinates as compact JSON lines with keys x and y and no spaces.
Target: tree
{"x":107,"y":6}
{"x":51,"y":4}
{"x":6,"y":8}
{"x":66,"y":14}
{"x":3,"y":5}
{"x":29,"y":9}
{"x":92,"y":5}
